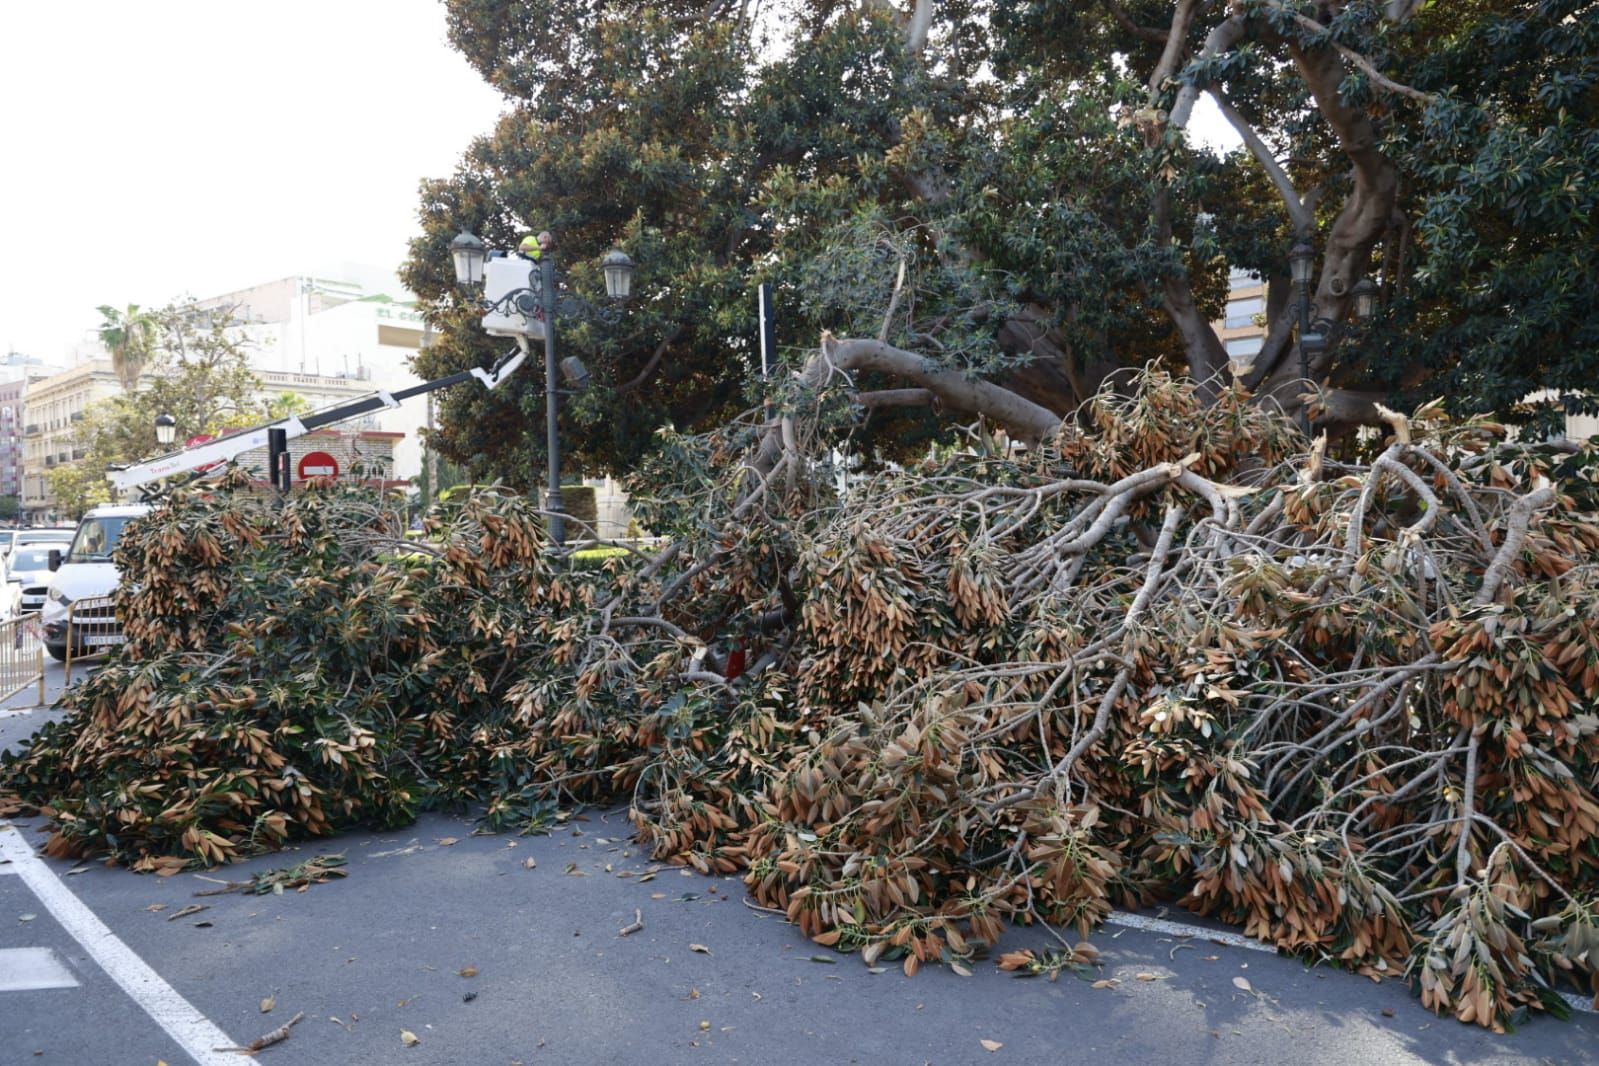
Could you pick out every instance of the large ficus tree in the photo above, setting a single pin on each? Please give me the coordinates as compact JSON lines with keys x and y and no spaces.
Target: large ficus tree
{"x":998,"y":207}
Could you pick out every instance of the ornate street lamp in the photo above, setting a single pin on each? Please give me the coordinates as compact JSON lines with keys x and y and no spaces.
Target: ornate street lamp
{"x":166,"y":428}
{"x":1365,"y":295}
{"x":538,"y":309}
{"x":618,"y":274}
{"x":1301,"y":262}
{"x":469,"y":255}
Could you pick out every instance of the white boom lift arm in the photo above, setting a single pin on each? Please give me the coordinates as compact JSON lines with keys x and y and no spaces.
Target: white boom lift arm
{"x":236,"y":444}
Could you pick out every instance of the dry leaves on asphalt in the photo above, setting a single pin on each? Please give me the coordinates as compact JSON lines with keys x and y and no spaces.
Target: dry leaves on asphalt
{"x":268,"y":1003}
{"x":467,"y":971}
{"x":300,"y":876}
{"x":409,"y":1039}
{"x":1243,"y":983}
{"x":445,"y":842}
{"x":276,"y":1036}
{"x":701,"y":948}
{"x":991,"y":1045}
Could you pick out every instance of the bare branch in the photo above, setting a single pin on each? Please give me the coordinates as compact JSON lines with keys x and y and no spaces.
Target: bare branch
{"x":1357,"y":59}
{"x":1226,"y":34}
{"x":1020,"y":417}
{"x":921,"y":21}
{"x":1146,"y":33}
{"x":1298,"y":213}
{"x":655,"y":360}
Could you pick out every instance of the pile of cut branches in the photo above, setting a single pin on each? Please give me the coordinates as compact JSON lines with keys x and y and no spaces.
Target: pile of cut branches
{"x":1170,"y":654}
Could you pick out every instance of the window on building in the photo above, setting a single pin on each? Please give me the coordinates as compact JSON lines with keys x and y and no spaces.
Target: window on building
{"x":1244,"y":346}
{"x":1242,"y":312}
{"x":1237,"y":278}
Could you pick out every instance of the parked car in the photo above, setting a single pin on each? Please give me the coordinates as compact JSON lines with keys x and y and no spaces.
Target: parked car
{"x":30,"y":571}
{"x":5,"y":540}
{"x":10,"y":594}
{"x":85,"y":571}
{"x":40,"y":535}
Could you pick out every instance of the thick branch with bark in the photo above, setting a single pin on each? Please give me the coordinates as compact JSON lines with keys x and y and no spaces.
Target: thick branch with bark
{"x":1020,"y":417}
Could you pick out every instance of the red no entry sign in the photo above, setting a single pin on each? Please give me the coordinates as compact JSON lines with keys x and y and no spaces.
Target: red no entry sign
{"x":318,"y":464}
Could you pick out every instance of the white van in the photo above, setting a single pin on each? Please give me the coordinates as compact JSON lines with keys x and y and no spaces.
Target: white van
{"x":86,"y":572}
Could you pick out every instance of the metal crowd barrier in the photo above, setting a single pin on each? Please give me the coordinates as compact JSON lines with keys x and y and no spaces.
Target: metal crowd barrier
{"x":92,"y":629}
{"x":21,"y":655}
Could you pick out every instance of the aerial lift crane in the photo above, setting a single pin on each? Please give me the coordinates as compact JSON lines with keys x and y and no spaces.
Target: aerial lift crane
{"x":514,"y":309}
{"x":275,"y":436}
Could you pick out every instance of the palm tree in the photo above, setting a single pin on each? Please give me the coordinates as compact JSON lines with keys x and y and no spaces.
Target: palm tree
{"x":128,"y":336}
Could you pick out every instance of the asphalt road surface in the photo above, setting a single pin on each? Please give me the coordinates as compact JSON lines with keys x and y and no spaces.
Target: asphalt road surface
{"x":504,"y":949}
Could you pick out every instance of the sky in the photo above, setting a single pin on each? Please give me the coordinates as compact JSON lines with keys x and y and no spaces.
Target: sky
{"x":162,"y":148}
{"x":166,"y":147}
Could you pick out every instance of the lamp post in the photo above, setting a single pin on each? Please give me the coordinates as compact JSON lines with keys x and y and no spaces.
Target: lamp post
{"x":470,"y":256}
{"x":166,"y":428}
{"x":553,"y":502}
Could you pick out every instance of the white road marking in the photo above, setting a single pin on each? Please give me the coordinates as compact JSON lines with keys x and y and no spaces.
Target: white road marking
{"x":193,"y":1031}
{"x":1238,"y":940}
{"x":29,"y":969}
{"x":1161,"y":925}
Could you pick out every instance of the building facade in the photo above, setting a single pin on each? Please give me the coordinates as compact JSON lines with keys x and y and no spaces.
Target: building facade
{"x":316,"y":390}
{"x":357,"y":324}
{"x":1242,"y":327}
{"x":53,"y":408}
{"x":50,"y":410}
{"x":11,"y":426}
